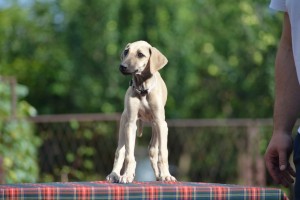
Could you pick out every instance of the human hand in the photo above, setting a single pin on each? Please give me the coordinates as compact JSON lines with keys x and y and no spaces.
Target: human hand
{"x":277,"y":156}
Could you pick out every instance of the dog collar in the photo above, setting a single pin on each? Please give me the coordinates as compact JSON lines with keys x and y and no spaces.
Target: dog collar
{"x":141,"y":90}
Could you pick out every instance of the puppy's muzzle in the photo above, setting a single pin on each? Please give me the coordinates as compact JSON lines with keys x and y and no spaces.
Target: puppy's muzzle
{"x":123,"y":69}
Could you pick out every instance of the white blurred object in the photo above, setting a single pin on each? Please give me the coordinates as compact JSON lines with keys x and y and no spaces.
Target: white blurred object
{"x":144,"y":171}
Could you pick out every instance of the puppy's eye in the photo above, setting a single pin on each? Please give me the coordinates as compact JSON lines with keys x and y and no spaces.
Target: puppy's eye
{"x":126,"y":52}
{"x":140,"y":55}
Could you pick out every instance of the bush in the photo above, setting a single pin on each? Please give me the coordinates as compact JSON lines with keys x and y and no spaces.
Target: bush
{"x":18,"y":144}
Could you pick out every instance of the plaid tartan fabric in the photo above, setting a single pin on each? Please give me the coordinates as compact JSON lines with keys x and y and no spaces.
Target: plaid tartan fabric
{"x":137,"y":190}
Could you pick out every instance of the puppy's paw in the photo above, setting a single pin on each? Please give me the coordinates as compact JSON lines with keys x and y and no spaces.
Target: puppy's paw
{"x":126,"y":178}
{"x":113,"y":177}
{"x":168,"y":178}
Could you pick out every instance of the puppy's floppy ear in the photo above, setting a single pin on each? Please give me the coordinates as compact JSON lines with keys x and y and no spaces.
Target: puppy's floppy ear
{"x":157,"y":60}
{"x":122,"y":54}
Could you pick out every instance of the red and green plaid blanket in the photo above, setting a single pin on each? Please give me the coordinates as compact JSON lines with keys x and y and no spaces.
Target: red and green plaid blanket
{"x":137,"y":190}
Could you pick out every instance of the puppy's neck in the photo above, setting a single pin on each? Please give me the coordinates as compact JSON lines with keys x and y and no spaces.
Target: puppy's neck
{"x":142,"y":79}
{"x":143,"y":84}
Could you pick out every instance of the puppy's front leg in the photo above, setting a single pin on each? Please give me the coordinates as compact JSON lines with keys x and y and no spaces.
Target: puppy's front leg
{"x":114,"y":176}
{"x":130,"y":163}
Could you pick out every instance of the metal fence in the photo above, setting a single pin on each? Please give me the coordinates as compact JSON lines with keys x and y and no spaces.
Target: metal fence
{"x":79,"y":147}
{"x":82,"y":147}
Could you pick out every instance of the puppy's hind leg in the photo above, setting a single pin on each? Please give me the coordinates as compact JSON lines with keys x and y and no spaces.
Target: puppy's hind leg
{"x":114,"y":176}
{"x":153,"y":153}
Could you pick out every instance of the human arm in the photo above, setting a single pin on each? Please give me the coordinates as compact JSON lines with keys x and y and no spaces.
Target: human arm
{"x":286,"y":110}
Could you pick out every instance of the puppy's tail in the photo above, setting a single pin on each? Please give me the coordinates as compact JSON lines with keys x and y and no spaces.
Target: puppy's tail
{"x":139,"y":124}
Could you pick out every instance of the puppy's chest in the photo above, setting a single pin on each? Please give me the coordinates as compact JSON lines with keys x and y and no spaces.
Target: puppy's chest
{"x":145,"y":111}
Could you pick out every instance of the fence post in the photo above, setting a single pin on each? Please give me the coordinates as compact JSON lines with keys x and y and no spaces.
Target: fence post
{"x":13,"y":84}
{"x":259,"y":163}
{"x":245,"y":160}
{"x":1,"y":171}
{"x":258,"y":169}
{"x":1,"y":160}
{"x":251,"y":163}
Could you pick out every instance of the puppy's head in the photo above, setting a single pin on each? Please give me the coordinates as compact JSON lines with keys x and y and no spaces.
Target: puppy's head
{"x":139,"y":57}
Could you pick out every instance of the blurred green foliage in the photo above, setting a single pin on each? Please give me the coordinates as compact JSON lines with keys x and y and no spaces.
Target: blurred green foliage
{"x":67,"y":51}
{"x":18,"y":144}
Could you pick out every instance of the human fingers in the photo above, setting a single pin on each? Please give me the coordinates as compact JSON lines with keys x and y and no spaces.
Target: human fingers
{"x":272,"y":167}
{"x":283,"y":160}
{"x":291,"y":171}
{"x":285,"y":178}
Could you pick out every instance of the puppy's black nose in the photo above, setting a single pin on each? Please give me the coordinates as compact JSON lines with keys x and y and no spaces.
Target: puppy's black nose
{"x":123,"y":68}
